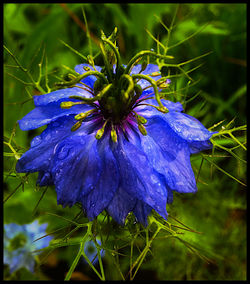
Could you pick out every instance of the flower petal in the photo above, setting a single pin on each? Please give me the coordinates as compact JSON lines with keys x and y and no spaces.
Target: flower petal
{"x":142,"y":210}
{"x":90,"y":80}
{"x":121,"y":204}
{"x":45,"y":114}
{"x":60,"y":96}
{"x":76,"y":169}
{"x":99,"y":198}
{"x":187,"y":127}
{"x":144,"y":83}
{"x":138,"y":179}
{"x":169,"y":155}
{"x":39,"y":156}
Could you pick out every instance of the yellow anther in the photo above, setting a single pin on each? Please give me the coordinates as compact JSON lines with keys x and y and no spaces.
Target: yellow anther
{"x":99,"y":133}
{"x":141,"y":119}
{"x":113,"y":135}
{"x":76,"y":126}
{"x":162,"y":109}
{"x":154,"y":74}
{"x":86,"y":68}
{"x":142,"y":129}
{"x":83,"y":115}
{"x":66,"y":104}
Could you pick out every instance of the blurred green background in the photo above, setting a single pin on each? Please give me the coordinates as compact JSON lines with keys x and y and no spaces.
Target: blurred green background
{"x":218,"y":209}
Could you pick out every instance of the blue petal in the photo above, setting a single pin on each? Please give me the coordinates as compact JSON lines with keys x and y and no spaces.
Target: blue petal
{"x":197,"y":146}
{"x":100,"y":197}
{"x":60,"y":95}
{"x":149,"y":69}
{"x":44,"y":178}
{"x":39,"y":156}
{"x":138,"y":178}
{"x":187,"y":127}
{"x":121,"y":204}
{"x":76,"y":168}
{"x":45,"y":114}
{"x":12,"y":229}
{"x":90,"y":80}
{"x":142,"y":210}
{"x":169,"y":155}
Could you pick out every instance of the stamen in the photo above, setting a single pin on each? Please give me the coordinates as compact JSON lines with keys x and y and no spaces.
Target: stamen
{"x":85,"y":89}
{"x":113,"y":134}
{"x":140,"y":119}
{"x":100,"y":132}
{"x":76,"y":125}
{"x":69,"y":104}
{"x":155,"y":74}
{"x":158,"y":108}
{"x":83,"y":115}
{"x":142,"y":129}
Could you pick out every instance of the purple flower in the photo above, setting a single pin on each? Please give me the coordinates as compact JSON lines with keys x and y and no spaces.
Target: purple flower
{"x":20,"y":244}
{"x":112,"y":144}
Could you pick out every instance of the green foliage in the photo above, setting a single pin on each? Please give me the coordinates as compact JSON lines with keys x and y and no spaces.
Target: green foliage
{"x":205,"y":235}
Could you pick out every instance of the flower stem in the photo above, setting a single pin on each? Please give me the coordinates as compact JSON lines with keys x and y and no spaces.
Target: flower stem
{"x":142,"y":54}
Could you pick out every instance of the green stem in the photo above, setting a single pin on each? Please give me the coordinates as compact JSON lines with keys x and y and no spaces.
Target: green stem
{"x":118,"y":58}
{"x":79,"y":78}
{"x":154,"y":85}
{"x":142,"y":54}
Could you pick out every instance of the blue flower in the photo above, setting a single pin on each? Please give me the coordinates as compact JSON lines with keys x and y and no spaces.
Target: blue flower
{"x":112,"y":144}
{"x":20,"y":244}
{"x":91,"y":251}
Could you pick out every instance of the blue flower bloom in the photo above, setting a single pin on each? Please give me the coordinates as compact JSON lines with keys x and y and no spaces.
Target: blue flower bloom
{"x":20,"y":244}
{"x":91,"y":251}
{"x":112,"y":144}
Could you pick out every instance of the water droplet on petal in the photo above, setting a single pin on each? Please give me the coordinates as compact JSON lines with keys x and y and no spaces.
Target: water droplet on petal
{"x":36,"y":141}
{"x":64,"y":151}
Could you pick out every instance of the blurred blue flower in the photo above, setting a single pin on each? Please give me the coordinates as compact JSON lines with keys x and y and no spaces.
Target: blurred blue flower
{"x":111,"y":147}
{"x":20,"y":244}
{"x":91,"y":251}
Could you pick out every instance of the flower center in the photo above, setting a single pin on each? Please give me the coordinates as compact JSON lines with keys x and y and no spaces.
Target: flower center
{"x":116,"y":92}
{"x":17,"y":242}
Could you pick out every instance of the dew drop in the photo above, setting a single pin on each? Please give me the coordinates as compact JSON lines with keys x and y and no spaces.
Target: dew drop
{"x":63,"y":153}
{"x":36,"y":141}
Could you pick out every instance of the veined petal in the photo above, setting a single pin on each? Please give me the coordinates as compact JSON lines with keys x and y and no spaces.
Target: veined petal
{"x":169,"y":154}
{"x":60,"y":96}
{"x":138,"y":178}
{"x":39,"y":156}
{"x":42,"y":115}
{"x":197,"y":146}
{"x":142,"y":211}
{"x":121,"y":204}
{"x":187,"y":127}
{"x":90,"y":80}
{"x":99,"y":198}
{"x":76,"y":168}
{"x":151,"y":68}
